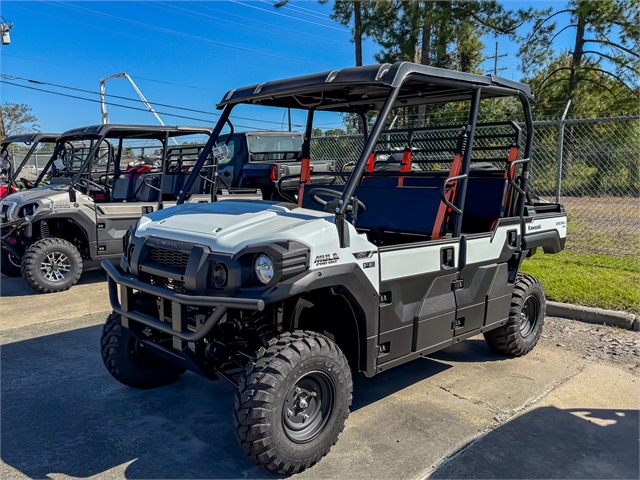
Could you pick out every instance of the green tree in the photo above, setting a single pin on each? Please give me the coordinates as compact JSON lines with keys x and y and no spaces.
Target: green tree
{"x":444,"y":34}
{"x":15,"y":119}
{"x":599,"y":70}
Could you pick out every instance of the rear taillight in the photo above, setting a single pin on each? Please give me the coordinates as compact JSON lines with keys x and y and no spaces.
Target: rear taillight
{"x":273,"y":175}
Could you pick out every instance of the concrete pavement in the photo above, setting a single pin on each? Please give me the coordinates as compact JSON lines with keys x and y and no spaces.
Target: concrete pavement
{"x":546,"y":415}
{"x":23,"y":306}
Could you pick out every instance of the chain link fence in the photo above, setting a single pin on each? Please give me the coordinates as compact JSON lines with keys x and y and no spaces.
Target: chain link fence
{"x":592,"y":166}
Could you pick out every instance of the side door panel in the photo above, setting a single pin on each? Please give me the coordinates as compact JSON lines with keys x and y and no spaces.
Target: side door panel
{"x":417,"y":302}
{"x":113,"y":220}
{"x":486,"y":293}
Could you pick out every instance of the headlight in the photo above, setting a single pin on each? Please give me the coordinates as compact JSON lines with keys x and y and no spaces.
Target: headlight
{"x":28,"y":210}
{"x":263,"y":267}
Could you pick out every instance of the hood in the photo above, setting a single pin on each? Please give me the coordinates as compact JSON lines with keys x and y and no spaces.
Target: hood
{"x":48,"y":192}
{"x":228,"y":226}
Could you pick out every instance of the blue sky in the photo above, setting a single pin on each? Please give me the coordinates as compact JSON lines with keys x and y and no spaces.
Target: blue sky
{"x":185,"y":54}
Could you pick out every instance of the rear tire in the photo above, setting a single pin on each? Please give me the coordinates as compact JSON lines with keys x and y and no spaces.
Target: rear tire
{"x":122,"y":355}
{"x":51,"y":265}
{"x":9,"y":265}
{"x":300,"y":373}
{"x":526,"y":318}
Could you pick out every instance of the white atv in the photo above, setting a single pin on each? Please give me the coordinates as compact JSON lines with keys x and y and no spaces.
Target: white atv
{"x":285,"y":300}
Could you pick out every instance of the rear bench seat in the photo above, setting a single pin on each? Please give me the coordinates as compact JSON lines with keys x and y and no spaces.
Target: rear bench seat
{"x":413,"y":208}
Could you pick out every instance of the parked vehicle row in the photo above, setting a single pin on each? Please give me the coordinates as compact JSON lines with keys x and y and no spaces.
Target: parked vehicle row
{"x":286,"y":292}
{"x":75,"y":213}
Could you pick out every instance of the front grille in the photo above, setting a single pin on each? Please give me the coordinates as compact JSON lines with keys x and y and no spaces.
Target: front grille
{"x":169,"y":283}
{"x":170,"y":258}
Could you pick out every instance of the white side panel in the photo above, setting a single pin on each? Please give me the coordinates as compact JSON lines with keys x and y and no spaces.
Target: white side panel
{"x":414,"y":261}
{"x":558,"y":223}
{"x":486,"y":249}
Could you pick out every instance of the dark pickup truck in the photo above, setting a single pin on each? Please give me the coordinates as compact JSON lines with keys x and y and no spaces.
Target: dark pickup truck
{"x":261,"y":159}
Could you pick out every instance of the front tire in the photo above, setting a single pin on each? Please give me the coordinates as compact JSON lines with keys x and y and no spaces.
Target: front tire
{"x":128,"y":363}
{"x":9,"y":265}
{"x":51,"y":265}
{"x":526,"y":318}
{"x":292,"y":402}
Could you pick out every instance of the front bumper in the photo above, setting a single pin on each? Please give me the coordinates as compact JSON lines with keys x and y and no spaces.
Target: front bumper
{"x":178,"y":328}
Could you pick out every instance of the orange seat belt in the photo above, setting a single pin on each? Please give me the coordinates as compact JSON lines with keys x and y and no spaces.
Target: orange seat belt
{"x":436,"y":234}
{"x":371,"y":163}
{"x":405,"y":166}
{"x":513,"y":155}
{"x":305,"y":178}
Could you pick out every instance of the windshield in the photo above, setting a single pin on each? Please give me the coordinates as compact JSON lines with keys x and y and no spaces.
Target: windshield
{"x":274,"y":143}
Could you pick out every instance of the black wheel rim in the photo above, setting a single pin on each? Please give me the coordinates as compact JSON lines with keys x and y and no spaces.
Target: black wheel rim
{"x":308,"y":406}
{"x":529,"y":316}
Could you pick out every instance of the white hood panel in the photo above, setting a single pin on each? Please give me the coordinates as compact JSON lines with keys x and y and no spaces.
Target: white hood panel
{"x":230,"y":226}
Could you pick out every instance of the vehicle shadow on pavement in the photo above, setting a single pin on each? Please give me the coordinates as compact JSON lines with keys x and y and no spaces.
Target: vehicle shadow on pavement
{"x":17,"y":287}
{"x":62,"y":413}
{"x":550,"y":442}
{"x":369,"y":390}
{"x":474,"y":350}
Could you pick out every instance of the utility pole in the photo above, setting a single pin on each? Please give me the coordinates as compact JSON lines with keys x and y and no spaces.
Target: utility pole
{"x":495,"y":61}
{"x":289,"y":115}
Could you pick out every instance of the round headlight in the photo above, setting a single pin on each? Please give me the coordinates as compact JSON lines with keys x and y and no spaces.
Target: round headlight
{"x":264,"y":268}
{"x":220,"y":275}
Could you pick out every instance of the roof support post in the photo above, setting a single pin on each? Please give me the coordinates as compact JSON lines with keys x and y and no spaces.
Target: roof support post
{"x":526,"y":167}
{"x":306,"y":145}
{"x":204,"y":154}
{"x":56,"y":151}
{"x":164,"y":167}
{"x":466,"y":159}
{"x":358,"y":170}
{"x":93,"y":151}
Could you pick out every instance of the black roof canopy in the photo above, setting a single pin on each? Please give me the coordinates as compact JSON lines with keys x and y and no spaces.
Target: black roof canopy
{"x":151,"y":132}
{"x":366,"y":88}
{"x":31,"y":138}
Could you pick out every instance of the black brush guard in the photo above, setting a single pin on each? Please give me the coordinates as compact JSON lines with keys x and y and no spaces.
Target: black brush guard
{"x":124,"y":306}
{"x":180,"y":353}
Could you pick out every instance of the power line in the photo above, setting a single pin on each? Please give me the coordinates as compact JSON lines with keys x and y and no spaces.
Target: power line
{"x":289,"y":16}
{"x":180,"y":34}
{"x":100,"y":73}
{"x":301,"y":10}
{"x":244,"y":26}
{"x":113,"y":104}
{"x":40,"y":82}
{"x":170,"y":45}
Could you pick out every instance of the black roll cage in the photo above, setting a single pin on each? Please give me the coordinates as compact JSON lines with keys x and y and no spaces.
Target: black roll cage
{"x":99,"y":133}
{"x":380,"y":86}
{"x":34,"y":139}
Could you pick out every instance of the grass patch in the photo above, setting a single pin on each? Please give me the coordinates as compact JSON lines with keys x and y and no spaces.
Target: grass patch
{"x":590,"y":280}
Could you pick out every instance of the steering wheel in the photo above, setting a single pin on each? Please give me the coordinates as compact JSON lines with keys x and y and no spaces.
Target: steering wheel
{"x":86,"y":183}
{"x":331,"y":205}
{"x":28,"y":184}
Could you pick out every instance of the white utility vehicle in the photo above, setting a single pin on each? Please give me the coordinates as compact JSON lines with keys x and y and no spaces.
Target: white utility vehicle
{"x":285,"y":299}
